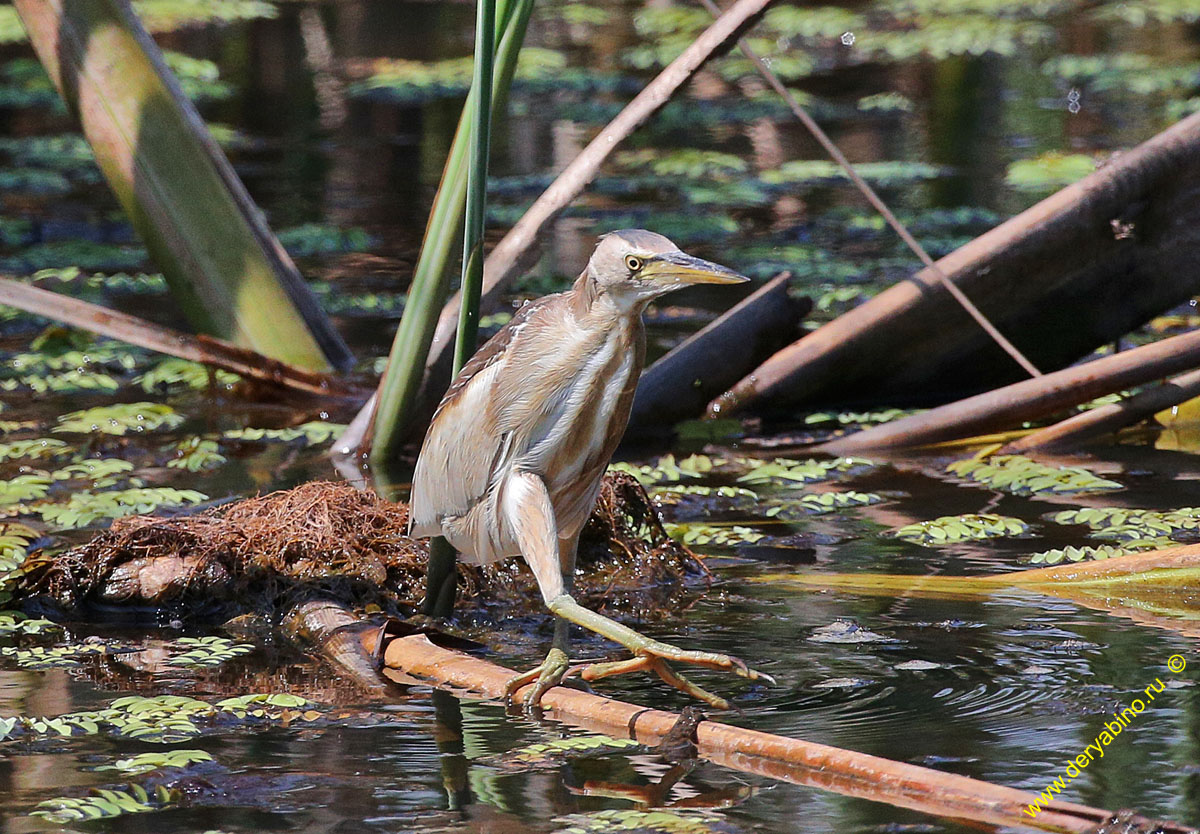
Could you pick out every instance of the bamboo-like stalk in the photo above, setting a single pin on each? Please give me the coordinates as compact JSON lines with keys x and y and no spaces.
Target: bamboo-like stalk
{"x":207,"y":350}
{"x":395,"y":401}
{"x":228,"y":272}
{"x":791,"y":760}
{"x":1029,"y":399}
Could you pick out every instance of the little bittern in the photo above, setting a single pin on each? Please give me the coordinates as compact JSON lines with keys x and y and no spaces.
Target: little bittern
{"x":516,"y":451}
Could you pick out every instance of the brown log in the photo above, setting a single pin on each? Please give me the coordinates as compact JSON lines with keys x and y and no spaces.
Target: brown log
{"x":1060,"y":279}
{"x":1030,"y":399}
{"x":1111,"y":417}
{"x":204,"y":349}
{"x":518,"y":248}
{"x":679,"y":385}
{"x":791,"y":760}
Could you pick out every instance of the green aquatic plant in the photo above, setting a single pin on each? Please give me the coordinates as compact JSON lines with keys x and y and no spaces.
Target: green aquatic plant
{"x":858,"y":418}
{"x":38,"y":448}
{"x":813,"y":172}
{"x":175,"y":372}
{"x":57,"y":657}
{"x":105,"y":803}
{"x":672,"y":493}
{"x":1020,"y":475}
{"x":313,"y":433}
{"x":706,"y":534}
{"x":691,"y":163}
{"x":1082,"y":554}
{"x":199,"y":78}
{"x":196,"y":454}
{"x":553,"y":752}
{"x":85,"y":508}
{"x":101,"y":472}
{"x":207,"y":651}
{"x":656,"y":821}
{"x":30,"y":181}
{"x":86,"y":254}
{"x":24,"y":488}
{"x":71,"y":381}
{"x":1136,"y":526}
{"x":14,"y":546}
{"x":787,"y":471}
{"x":412,"y":81}
{"x":952,"y":529}
{"x":886,"y":103}
{"x":157,"y":760}
{"x":1049,"y":171}
{"x":323,"y":239}
{"x":820,"y":503}
{"x":667,"y":468}
{"x":14,"y":622}
{"x":1146,"y":12}
{"x":120,"y":419}
{"x":170,"y":15}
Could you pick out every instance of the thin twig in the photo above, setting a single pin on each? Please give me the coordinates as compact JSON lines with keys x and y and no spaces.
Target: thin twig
{"x":875,"y":200}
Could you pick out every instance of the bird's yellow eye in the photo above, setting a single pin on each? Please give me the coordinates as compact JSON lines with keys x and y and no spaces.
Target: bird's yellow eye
{"x":633,"y":262}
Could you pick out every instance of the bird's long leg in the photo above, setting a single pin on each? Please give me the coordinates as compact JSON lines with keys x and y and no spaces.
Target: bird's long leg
{"x":528,"y":510}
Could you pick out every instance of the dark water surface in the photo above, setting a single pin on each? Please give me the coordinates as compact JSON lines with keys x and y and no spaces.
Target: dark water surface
{"x":1005,"y":688}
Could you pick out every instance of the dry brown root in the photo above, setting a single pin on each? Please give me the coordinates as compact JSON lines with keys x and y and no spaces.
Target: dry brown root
{"x":326,"y":540}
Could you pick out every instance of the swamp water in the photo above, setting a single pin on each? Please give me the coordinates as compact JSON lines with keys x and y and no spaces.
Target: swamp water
{"x":962,"y":113}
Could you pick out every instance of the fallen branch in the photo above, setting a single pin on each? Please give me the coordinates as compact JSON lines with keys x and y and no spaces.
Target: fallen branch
{"x":681,"y":383}
{"x":204,"y":349}
{"x":1111,"y":417}
{"x":1030,"y":399}
{"x":749,"y":751}
{"x":514,"y":253}
{"x":1120,"y":245}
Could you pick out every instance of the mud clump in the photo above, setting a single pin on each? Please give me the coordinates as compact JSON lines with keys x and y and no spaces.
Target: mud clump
{"x":329,"y":540}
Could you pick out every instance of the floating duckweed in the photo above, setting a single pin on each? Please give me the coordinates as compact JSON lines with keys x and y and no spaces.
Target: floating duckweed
{"x":274,"y":699}
{"x":614,"y":820}
{"x":120,"y":418}
{"x":705,"y":534}
{"x":1132,"y":525}
{"x":196,"y":454}
{"x":822,"y":172}
{"x":36,"y":449}
{"x":57,"y":657}
{"x":14,"y":541}
{"x":323,"y":239}
{"x":313,"y":433}
{"x":14,"y":622}
{"x":667,"y":469}
{"x":554,"y":751}
{"x":102,"y":472}
{"x":1023,"y":476}
{"x":65,"y":382}
{"x":951,"y":529}
{"x":818,"y":503}
{"x":798,"y":471}
{"x":208,"y":651}
{"x":183,"y":372}
{"x":156,"y":760}
{"x":84,"y":508}
{"x":1080,"y":554}
{"x":1048,"y":172}
{"x":858,"y":418}
{"x":671,"y":493}
{"x":104,"y":803}
{"x":24,"y":488}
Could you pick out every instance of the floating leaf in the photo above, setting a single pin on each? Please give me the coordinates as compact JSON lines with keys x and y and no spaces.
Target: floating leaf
{"x":24,"y":488}
{"x":818,"y":503}
{"x":157,"y":760}
{"x":798,"y":471}
{"x":1020,"y":475}
{"x":196,"y":454}
{"x":1134,"y":525}
{"x":952,"y":529}
{"x":667,"y":469}
{"x":207,"y":651}
{"x":1048,"y":172}
{"x":102,"y":472}
{"x":84,"y":508}
{"x":313,"y":433}
{"x":37,"y":449}
{"x":706,"y":534}
{"x":173,"y":371}
{"x":120,"y":418}
{"x":1082,"y":554}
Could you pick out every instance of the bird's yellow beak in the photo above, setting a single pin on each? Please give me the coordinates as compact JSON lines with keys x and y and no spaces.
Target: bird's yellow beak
{"x":678,"y":268}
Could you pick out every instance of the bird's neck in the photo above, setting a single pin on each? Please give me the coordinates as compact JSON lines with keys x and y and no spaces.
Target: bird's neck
{"x":591,"y":300}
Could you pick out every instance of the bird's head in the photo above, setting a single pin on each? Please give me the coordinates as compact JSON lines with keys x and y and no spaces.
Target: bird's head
{"x":636,"y":265}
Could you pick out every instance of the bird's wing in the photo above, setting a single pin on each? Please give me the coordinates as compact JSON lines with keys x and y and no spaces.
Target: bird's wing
{"x":464,"y":446}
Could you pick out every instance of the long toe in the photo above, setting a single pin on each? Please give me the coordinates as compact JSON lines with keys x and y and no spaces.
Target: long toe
{"x":547,"y":675}
{"x":709,"y":660}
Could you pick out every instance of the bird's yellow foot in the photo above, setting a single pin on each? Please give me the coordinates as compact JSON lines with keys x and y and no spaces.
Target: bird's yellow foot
{"x":652,"y":655}
{"x":547,"y":675}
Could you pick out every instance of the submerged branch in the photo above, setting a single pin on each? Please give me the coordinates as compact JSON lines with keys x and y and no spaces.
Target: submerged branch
{"x":790,"y":760}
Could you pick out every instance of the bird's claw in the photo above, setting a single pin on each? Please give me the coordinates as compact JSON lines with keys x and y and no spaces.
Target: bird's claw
{"x":544,"y":677}
{"x":654,"y":656}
